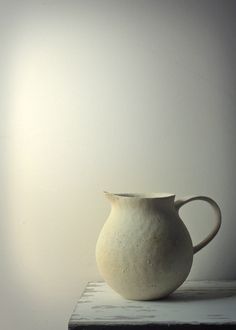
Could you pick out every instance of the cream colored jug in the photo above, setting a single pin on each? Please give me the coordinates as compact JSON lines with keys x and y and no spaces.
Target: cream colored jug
{"x":144,"y":250}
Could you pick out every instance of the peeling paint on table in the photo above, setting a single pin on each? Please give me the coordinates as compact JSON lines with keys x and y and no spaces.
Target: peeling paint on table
{"x":201,"y":304}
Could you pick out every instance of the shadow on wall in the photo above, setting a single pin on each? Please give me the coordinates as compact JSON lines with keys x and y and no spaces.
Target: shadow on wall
{"x":226,"y":35}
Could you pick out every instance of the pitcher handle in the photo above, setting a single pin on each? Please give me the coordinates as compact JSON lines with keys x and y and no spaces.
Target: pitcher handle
{"x":180,"y":202}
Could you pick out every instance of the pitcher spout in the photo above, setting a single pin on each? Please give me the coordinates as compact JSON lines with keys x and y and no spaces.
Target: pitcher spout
{"x":108,"y":195}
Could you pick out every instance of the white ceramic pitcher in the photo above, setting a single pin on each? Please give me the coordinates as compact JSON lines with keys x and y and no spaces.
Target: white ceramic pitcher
{"x":144,"y":250}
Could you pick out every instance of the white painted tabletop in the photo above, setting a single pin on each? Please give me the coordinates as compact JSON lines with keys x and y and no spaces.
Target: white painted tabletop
{"x":194,"y":303}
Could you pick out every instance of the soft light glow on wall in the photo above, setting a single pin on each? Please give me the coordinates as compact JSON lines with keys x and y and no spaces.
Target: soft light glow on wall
{"x":118,"y":96}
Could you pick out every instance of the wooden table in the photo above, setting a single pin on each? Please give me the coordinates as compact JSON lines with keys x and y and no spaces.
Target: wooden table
{"x":195,"y":305}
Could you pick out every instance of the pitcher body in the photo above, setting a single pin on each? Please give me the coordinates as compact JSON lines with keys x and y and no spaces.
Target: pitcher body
{"x":144,"y":250}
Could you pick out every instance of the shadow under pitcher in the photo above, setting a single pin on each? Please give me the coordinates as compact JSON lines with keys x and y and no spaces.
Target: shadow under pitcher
{"x":144,"y":250}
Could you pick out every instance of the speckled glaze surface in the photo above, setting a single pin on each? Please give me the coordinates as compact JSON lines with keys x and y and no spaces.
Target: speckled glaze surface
{"x":144,"y":250}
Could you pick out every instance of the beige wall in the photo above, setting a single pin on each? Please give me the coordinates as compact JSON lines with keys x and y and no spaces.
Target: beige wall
{"x":124,"y":96}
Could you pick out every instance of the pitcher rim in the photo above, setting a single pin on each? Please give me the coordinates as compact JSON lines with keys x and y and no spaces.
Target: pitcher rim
{"x":144,"y":195}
